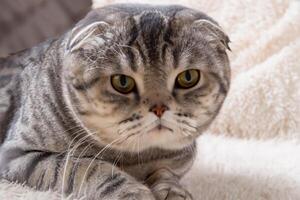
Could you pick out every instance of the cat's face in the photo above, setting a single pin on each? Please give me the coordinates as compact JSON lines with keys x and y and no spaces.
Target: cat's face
{"x":146,"y":77}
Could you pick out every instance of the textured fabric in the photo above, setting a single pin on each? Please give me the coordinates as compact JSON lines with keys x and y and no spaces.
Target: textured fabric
{"x":263,"y":103}
{"x":265,"y":93}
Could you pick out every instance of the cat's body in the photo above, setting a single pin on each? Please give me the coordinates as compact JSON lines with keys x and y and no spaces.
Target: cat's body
{"x":58,"y":133}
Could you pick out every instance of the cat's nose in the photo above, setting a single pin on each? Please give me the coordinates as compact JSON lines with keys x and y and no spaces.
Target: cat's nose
{"x":159,"y":109}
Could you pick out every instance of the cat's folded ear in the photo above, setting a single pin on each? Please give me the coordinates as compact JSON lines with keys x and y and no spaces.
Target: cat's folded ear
{"x":212,"y":32}
{"x":87,"y":36}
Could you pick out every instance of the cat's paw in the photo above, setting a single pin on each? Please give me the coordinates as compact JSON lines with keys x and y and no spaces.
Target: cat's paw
{"x":170,"y":190}
{"x":136,"y":192}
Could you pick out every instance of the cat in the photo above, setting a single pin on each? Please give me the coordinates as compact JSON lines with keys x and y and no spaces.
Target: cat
{"x":112,"y":108}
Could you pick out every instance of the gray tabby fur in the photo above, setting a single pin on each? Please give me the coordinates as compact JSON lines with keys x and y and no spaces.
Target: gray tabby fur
{"x":63,"y":127}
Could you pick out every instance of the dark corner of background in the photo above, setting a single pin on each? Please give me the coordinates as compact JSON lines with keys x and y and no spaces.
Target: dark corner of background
{"x":25,"y":23}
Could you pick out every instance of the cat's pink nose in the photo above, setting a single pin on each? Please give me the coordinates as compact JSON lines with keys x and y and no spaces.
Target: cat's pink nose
{"x":158,"y":110}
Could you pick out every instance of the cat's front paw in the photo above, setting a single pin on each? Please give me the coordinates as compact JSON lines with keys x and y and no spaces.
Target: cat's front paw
{"x":170,"y":190}
{"x":136,"y":192}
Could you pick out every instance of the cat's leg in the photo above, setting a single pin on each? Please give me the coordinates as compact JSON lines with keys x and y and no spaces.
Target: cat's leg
{"x":81,"y":177}
{"x":165,"y":186}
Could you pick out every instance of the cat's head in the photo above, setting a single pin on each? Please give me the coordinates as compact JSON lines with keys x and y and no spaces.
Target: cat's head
{"x":146,"y":76}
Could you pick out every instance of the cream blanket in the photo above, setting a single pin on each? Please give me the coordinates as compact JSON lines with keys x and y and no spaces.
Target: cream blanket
{"x":262,"y":109}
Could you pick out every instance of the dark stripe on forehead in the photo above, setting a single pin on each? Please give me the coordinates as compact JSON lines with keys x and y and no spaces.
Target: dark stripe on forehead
{"x":132,"y":59}
{"x":152,"y":25}
{"x":134,"y":32}
{"x":176,"y":54}
{"x":141,"y":52}
{"x":169,"y":31}
{"x":167,"y":38}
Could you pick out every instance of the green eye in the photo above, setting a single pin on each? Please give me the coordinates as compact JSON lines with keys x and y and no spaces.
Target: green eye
{"x":122,"y":83}
{"x":187,"y":79}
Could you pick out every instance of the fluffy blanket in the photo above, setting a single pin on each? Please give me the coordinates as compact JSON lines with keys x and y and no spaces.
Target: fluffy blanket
{"x":225,"y":169}
{"x":252,"y":150}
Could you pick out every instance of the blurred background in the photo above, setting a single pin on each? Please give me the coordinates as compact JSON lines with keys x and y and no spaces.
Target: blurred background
{"x":24,"y":23}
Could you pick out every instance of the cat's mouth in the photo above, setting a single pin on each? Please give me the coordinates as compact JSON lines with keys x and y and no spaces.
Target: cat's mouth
{"x":160,"y":127}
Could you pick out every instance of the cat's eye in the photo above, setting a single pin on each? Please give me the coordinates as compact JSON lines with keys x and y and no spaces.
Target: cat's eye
{"x":187,"y":79}
{"x":122,"y":83}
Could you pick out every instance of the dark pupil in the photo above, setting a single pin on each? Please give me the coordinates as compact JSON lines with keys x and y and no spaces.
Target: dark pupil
{"x":188,"y":76}
{"x":123,"y":80}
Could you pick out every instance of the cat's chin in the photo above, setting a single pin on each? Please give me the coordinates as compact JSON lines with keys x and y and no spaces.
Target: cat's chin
{"x":159,"y":137}
{"x":165,"y":138}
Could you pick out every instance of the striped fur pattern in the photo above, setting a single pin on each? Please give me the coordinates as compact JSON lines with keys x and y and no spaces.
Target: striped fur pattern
{"x":64,"y":127}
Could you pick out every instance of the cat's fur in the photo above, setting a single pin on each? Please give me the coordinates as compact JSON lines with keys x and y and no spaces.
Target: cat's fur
{"x":64,"y":127}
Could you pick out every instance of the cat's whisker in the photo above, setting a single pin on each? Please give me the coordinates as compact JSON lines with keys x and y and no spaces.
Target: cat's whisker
{"x":95,"y":157}
{"x":116,"y":162}
{"x":70,"y":151}
{"x":65,"y":165}
{"x":191,"y":122}
{"x":184,"y":131}
{"x":78,"y":133}
{"x":73,"y":127}
{"x":124,"y":127}
{"x":187,"y":127}
{"x":144,"y":127}
{"x":138,"y":150}
{"x":183,"y":124}
{"x":86,"y":148}
{"x":132,"y":143}
{"x":181,"y":128}
{"x":80,"y":142}
{"x":127,"y":137}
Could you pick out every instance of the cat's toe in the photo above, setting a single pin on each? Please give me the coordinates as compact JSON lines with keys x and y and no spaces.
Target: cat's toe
{"x":137,"y":193}
{"x":170,"y":191}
